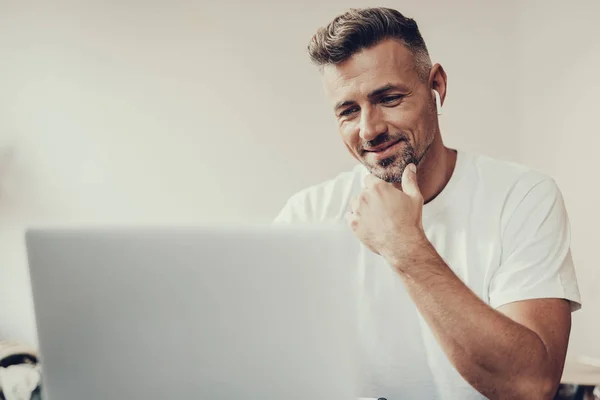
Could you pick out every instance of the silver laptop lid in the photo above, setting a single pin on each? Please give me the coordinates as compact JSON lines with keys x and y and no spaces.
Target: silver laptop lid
{"x":206,"y":313}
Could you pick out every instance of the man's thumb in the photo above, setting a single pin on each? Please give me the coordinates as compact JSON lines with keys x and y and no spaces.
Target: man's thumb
{"x":410,"y":185}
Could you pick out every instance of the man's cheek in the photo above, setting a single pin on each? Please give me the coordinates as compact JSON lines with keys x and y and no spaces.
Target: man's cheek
{"x":351,"y":150}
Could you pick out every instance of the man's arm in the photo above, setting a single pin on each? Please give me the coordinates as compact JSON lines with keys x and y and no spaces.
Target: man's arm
{"x":516,"y":351}
{"x":514,"y":347}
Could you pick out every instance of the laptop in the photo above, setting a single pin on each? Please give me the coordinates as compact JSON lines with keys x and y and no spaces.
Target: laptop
{"x":214,"y":312}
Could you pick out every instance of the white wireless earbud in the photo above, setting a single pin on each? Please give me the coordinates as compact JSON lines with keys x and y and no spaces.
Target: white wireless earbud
{"x":438,"y":102}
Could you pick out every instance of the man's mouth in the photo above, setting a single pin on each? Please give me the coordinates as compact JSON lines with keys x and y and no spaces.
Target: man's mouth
{"x":382,"y":147}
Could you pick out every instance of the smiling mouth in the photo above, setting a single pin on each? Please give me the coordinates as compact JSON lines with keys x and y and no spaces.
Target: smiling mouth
{"x":383,"y":147}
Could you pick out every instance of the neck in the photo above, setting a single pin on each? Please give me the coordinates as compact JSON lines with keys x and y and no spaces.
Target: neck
{"x":435,"y":169}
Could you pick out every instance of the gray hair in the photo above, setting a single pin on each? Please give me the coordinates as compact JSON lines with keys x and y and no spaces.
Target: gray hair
{"x":359,"y":29}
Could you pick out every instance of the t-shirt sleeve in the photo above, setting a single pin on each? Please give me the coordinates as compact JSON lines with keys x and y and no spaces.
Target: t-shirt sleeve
{"x":294,"y":211}
{"x":536,"y":258}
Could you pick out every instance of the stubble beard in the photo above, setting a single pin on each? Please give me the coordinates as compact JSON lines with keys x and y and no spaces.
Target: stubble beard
{"x":390,"y":169}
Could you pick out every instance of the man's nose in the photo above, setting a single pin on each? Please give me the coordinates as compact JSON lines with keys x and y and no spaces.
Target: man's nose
{"x":371,"y":124}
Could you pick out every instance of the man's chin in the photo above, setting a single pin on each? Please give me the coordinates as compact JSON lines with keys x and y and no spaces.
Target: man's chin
{"x":392,"y":177}
{"x":390,"y":174}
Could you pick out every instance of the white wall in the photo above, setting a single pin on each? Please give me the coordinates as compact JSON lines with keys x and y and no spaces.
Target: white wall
{"x":559,"y":57}
{"x":173,"y":111}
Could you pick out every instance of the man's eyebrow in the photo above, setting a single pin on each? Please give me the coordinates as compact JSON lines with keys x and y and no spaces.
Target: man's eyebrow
{"x":374,"y":93}
{"x":387,"y":88}
{"x":343,"y":104}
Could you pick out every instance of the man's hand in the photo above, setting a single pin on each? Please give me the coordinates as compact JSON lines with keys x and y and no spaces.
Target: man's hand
{"x":388,"y":218}
{"x":515,"y":352}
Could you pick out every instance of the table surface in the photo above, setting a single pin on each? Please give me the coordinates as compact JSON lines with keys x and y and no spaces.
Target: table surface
{"x":576,"y":372}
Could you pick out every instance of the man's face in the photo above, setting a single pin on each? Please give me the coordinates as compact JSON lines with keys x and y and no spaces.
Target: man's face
{"x":386,"y":114}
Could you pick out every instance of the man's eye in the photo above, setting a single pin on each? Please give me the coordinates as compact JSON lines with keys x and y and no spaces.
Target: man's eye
{"x":348,"y":111}
{"x":390,"y":99}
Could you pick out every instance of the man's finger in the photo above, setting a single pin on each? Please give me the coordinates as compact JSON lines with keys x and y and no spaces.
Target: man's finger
{"x":410,"y":185}
{"x":353,"y":206}
{"x":352,"y":220}
{"x":371,"y":180}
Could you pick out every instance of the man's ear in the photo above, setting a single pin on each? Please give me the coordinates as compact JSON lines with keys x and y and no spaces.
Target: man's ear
{"x":438,"y":81}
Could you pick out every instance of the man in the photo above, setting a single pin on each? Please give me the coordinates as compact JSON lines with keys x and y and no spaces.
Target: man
{"x":481,"y":247}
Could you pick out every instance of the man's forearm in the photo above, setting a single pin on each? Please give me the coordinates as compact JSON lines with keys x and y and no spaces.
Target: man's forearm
{"x":496,"y":355}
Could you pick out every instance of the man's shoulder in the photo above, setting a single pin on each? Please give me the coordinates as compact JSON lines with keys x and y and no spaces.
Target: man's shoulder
{"x":508,"y":176}
{"x":510,"y":185}
{"x":337,"y":185}
{"x":326,"y":200}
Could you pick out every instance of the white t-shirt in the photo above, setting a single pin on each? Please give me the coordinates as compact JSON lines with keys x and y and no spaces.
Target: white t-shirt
{"x":501,"y":227}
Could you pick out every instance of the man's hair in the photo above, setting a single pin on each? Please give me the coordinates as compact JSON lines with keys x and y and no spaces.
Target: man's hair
{"x":359,"y":29}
